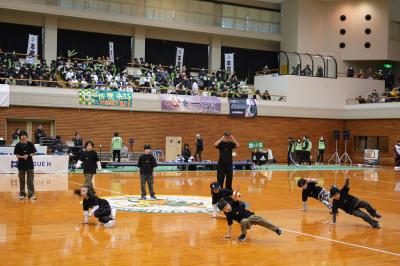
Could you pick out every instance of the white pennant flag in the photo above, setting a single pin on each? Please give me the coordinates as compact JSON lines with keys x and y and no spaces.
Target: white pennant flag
{"x":32,"y":50}
{"x":229,"y":63}
{"x":179,"y":57}
{"x":111,"y":51}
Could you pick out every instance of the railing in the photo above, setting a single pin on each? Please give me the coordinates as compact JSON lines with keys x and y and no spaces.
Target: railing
{"x":141,"y":89}
{"x":161,"y":14}
{"x":303,"y":64}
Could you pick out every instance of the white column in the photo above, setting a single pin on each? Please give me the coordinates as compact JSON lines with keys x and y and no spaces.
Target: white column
{"x":50,"y":38}
{"x":139,"y":43}
{"x":214,"y":56}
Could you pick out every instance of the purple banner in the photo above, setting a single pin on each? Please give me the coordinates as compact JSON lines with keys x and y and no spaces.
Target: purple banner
{"x":191,"y":104}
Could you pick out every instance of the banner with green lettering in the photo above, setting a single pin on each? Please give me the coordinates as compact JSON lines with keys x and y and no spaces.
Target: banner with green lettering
{"x":105,"y":98}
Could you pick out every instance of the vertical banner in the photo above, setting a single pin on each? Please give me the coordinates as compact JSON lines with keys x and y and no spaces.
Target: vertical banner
{"x":32,"y":49}
{"x":4,"y":95}
{"x":229,"y":63}
{"x":179,"y":57}
{"x":111,"y":51}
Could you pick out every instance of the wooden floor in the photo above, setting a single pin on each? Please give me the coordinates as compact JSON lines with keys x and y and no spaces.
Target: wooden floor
{"x":48,"y":231}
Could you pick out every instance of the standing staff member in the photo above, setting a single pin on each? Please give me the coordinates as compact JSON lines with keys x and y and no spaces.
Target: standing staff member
{"x":91,"y":162}
{"x":24,"y":151}
{"x":290,"y":150}
{"x":321,"y":150}
{"x":306,"y":150}
{"x":199,"y":148}
{"x":298,"y":148}
{"x":397,"y":152}
{"x":116,"y":145}
{"x":225,"y":145}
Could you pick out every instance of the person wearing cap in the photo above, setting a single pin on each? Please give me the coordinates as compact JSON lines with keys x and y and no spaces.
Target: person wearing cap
{"x":146,"y":164}
{"x":311,"y":189}
{"x":225,"y":145}
{"x":352,"y":205}
{"x":236,"y":211}
{"x":199,"y":148}
{"x":25,"y":150}
{"x":217,"y":194}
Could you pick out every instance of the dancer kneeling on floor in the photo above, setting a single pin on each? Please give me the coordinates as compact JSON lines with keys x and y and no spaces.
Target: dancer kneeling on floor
{"x":97,"y":207}
{"x":311,"y":189}
{"x":236,"y":210}
{"x":352,"y":205}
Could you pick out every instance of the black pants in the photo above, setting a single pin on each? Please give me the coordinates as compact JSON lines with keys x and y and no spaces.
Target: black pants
{"x":289,"y":161}
{"x":103,"y":214}
{"x":197,"y":158}
{"x":29,"y":178}
{"x":117,"y":153}
{"x":320,"y":157}
{"x":222,"y":171}
{"x":365,"y":205}
{"x":397,"y":160}
{"x":306,"y":157}
{"x":299,"y":157}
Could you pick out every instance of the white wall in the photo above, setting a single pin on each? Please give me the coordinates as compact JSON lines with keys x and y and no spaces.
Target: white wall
{"x":308,"y":104}
{"x":312,"y":92}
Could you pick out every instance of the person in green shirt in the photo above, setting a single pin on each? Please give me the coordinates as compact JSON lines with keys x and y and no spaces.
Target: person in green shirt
{"x":116,"y":145}
{"x":321,"y":150}
{"x":298,"y":149}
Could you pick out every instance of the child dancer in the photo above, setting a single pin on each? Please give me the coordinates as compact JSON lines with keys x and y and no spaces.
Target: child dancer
{"x":97,"y":207}
{"x":146,"y":163}
{"x":217,"y":194}
{"x":91,"y":162}
{"x":234,"y":210}
{"x":352,"y":205}
{"x":311,"y":189}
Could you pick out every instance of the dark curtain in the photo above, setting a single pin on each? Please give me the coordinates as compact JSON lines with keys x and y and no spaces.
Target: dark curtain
{"x":14,"y":37}
{"x":94,"y":45}
{"x":249,"y":61}
{"x":164,"y":52}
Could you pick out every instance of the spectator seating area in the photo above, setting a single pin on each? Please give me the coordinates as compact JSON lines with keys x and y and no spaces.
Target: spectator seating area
{"x":374,"y":97}
{"x":138,"y":76}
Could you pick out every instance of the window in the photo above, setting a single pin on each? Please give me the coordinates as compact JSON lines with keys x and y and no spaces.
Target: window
{"x":380,"y":143}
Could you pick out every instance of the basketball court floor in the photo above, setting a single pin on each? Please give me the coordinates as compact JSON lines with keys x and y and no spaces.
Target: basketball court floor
{"x":177,"y":229}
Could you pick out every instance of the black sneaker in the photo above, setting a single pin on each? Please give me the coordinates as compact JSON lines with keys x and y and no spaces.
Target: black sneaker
{"x":377,"y":226}
{"x":21,"y":197}
{"x":278,"y":231}
{"x":143,"y":197}
{"x":378,"y":215}
{"x":33,"y":197}
{"x":153,"y":197}
{"x":242,"y":237}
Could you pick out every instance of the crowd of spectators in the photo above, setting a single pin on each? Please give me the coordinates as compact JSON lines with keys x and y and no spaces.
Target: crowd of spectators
{"x":104,"y":75}
{"x":13,"y":72}
{"x":374,"y":97}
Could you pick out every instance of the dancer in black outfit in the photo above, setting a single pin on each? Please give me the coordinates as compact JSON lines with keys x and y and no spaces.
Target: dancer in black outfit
{"x":225,"y":145}
{"x":311,"y":189}
{"x":352,"y":205}
{"x":97,"y":207}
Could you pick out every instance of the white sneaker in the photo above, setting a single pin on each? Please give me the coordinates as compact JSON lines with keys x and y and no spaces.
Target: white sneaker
{"x":109,"y":224}
{"x":113,"y":213}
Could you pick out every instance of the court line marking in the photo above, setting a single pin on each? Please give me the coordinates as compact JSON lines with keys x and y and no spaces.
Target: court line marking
{"x":284,"y":229}
{"x":342,"y":242}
